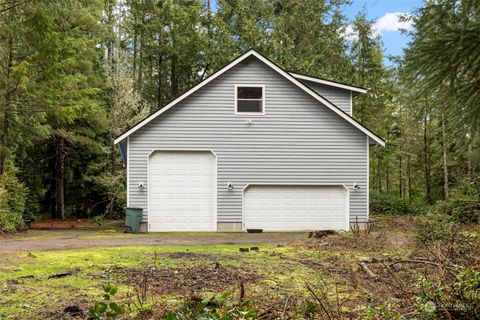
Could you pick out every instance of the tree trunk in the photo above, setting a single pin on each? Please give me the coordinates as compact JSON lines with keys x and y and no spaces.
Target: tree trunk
{"x":110,"y":40}
{"x":387,"y":171}
{"x":445,"y":162}
{"x":135,"y":39}
{"x":470,"y":156}
{"x":6,"y":111}
{"x":426,"y":154}
{"x":409,"y":176}
{"x":173,"y":77}
{"x":400,"y":176}
{"x":173,"y":67}
{"x":159,"y":85}
{"x":60,"y":177}
{"x":140,"y":60}
{"x":114,"y":175}
{"x":379,"y":177}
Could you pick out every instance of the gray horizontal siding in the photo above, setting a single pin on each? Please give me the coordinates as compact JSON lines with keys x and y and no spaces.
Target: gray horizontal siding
{"x":298,"y":141}
{"x":339,"y":97}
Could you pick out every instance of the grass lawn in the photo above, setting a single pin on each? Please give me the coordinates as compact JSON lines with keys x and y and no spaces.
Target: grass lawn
{"x":152,"y":280}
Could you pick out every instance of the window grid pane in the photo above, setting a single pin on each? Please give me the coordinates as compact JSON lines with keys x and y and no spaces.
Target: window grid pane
{"x":249,"y":106}
{"x":249,"y":99}
{"x":249,"y":92}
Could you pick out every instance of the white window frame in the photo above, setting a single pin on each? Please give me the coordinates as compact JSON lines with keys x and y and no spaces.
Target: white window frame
{"x":263,"y":99}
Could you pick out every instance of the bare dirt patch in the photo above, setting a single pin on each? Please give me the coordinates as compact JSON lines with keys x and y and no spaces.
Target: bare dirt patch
{"x":40,"y":240}
{"x":191,"y":256}
{"x":185,"y":280}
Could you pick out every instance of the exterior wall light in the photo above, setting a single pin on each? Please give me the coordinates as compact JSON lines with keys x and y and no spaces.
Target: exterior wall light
{"x":229,"y":186}
{"x":141,"y":186}
{"x":356,"y":186}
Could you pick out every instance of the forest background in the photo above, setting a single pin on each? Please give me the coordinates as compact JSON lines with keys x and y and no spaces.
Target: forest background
{"x":75,"y":74}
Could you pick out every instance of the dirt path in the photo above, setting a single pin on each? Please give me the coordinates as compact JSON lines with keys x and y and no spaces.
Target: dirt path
{"x":40,"y":240}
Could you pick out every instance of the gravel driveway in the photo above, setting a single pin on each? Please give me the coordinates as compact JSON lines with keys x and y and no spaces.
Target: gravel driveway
{"x":39,"y":240}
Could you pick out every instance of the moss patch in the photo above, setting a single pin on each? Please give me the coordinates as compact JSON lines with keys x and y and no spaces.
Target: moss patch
{"x":272,"y":278}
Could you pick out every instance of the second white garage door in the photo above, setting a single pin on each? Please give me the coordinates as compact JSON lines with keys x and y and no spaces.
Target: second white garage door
{"x":182,"y":191}
{"x":295,"y":208}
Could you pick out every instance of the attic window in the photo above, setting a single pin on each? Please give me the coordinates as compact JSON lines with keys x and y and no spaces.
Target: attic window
{"x":249,"y":99}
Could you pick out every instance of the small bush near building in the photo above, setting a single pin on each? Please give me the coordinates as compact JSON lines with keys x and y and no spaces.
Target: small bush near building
{"x":436,"y":227}
{"x":12,"y":203}
{"x":385,"y":203}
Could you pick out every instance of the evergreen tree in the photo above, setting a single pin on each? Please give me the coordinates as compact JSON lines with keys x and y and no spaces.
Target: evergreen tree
{"x":68,"y":79}
{"x":444,"y":55}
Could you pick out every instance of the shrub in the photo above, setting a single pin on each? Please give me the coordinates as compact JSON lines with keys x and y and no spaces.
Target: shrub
{"x":107,"y":309}
{"x":385,"y":203}
{"x":385,"y":311}
{"x":215,"y":307}
{"x":465,"y":211}
{"x":12,"y":202}
{"x":461,"y":211}
{"x":460,"y":299}
{"x":436,"y":227}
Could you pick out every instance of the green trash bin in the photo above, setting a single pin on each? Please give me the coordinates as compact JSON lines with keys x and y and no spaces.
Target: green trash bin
{"x":133,"y":217}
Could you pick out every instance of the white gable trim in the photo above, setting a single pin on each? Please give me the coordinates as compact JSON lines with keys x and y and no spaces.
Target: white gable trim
{"x":183,"y":96}
{"x":274,"y":67}
{"x":329,"y":83}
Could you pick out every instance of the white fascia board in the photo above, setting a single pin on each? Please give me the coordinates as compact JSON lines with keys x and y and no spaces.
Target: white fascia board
{"x":274,"y":67}
{"x":329,"y":83}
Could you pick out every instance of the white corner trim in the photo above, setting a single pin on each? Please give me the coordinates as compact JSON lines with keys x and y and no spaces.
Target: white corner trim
{"x":274,"y":67}
{"x":128,"y":172}
{"x":329,"y":83}
{"x":347,"y":223}
{"x":351,"y":104}
{"x":368,"y":179}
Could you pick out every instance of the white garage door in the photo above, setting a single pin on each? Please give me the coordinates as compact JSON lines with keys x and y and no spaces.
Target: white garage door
{"x":182,"y":191}
{"x":290,"y":208}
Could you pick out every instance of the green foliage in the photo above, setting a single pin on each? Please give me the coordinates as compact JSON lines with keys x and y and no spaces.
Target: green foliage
{"x":13,"y":195}
{"x":387,"y":203}
{"x":98,"y":219}
{"x":384,"y":311}
{"x":436,"y":227}
{"x":444,"y":56}
{"x":84,"y":71}
{"x":461,"y":299}
{"x":218,"y":307}
{"x":370,"y":72}
{"x":107,"y":309}
{"x":464,"y":211}
{"x":460,"y":211}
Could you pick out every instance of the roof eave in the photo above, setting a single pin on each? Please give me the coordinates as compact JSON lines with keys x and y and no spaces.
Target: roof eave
{"x":276,"y":68}
{"x":344,"y":86}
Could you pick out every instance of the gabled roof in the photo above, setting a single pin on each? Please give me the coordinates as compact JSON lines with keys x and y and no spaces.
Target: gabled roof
{"x":290,"y":77}
{"x":329,"y":82}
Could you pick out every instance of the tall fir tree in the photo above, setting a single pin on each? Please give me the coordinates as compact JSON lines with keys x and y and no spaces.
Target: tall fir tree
{"x":67,"y":69}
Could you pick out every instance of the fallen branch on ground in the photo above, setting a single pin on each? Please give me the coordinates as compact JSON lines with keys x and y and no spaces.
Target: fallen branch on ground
{"x":367,"y":270}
